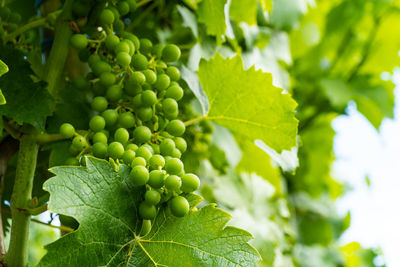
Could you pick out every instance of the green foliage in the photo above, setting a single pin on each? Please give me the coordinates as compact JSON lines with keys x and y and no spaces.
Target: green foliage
{"x":105,"y":205}
{"x":3,"y":69}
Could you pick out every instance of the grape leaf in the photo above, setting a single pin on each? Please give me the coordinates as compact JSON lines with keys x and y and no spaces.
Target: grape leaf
{"x":27,"y":101}
{"x":3,"y":69}
{"x":243,"y":11}
{"x":266,"y":5}
{"x":189,"y":19}
{"x":211,"y":13}
{"x":246,"y":102}
{"x":105,"y":205}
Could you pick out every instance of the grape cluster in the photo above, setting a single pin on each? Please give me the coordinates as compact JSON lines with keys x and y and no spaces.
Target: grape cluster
{"x":135,"y":107}
{"x":9,"y":20}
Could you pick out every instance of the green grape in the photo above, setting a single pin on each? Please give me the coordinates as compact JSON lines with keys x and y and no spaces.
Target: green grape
{"x":133,"y":38}
{"x":173,"y":183}
{"x":132,"y":89}
{"x":138,"y":161}
{"x":107,"y":79}
{"x":139,"y":175}
{"x":111,"y":42}
{"x":81,"y":83}
{"x":99,"y":67}
{"x":110,"y":116}
{"x":167,"y":147}
{"x":121,"y":135}
{"x":116,"y":150}
{"x":123,"y":7}
{"x":100,"y":150}
{"x":175,"y":92}
{"x":171,"y":53}
{"x":5,"y":12}
{"x":129,"y":156}
{"x":139,"y":62}
{"x":106,"y":17}
{"x":132,"y":147}
{"x":114,"y":11}
{"x":122,"y":47}
{"x":114,"y":93}
{"x":176,"y":153}
{"x":156,"y":178}
{"x":123,"y":59}
{"x":93,"y":59}
{"x":169,"y":106}
{"x":174,"y":166}
{"x":173,"y":73}
{"x":97,"y":123}
{"x":150,"y":75}
{"x":190,"y":182}
{"x":141,"y":134}
{"x":100,"y":137}
{"x":79,"y":142}
{"x":162,"y":82}
{"x":132,"y":5}
{"x":176,"y":127}
{"x":67,"y":130}
{"x":99,"y":104}
{"x":179,"y":206}
{"x":144,"y":152}
{"x":137,"y":101}
{"x":149,"y":98}
{"x":149,"y":147}
{"x":72,"y":161}
{"x":118,"y":26}
{"x":145,"y":46}
{"x":206,"y":126}
{"x":152,"y":197}
{"x":131,"y":46}
{"x":138,"y":78}
{"x":145,"y":113}
{"x":126,"y":120}
{"x":157,"y":50}
{"x":156,"y":162}
{"x":147,"y":211}
{"x":156,"y":148}
{"x":78,"y":41}
{"x":146,"y":226}
{"x":83,"y":54}
{"x":180,"y":144}
{"x":161,"y":66}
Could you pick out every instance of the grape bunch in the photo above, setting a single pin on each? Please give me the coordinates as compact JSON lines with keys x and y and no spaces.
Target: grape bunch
{"x":136,"y":120}
{"x":9,"y":20}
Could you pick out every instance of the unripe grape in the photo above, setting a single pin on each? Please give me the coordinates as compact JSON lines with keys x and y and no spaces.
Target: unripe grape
{"x":97,"y":123}
{"x":131,"y":46}
{"x":121,"y":135}
{"x":173,"y":183}
{"x":72,"y":161}
{"x":138,"y":78}
{"x":78,"y":41}
{"x":156,"y":162}
{"x":100,"y":150}
{"x":107,"y":79}
{"x":169,"y":106}
{"x":122,"y":47}
{"x":106,"y":17}
{"x":173,"y":73}
{"x":174,"y":166}
{"x":126,"y":120}
{"x":157,"y":50}
{"x":146,"y":224}
{"x":145,"y":113}
{"x":132,"y":147}
{"x":132,"y":5}
{"x":139,"y":175}
{"x":114,"y":93}
{"x":123,"y":59}
{"x":123,"y":7}
{"x":179,"y":206}
{"x":141,"y":134}
{"x":156,"y":178}
{"x":129,"y":156}
{"x":147,"y":211}
{"x":162,"y":82}
{"x":110,"y":116}
{"x":145,"y":46}
{"x":151,"y":76}
{"x":139,"y":62}
{"x":99,"y":104}
{"x":171,"y":53}
{"x":176,"y":153}
{"x":152,"y":197}
{"x":116,"y":150}
{"x":144,"y":152}
{"x":119,"y":26}
{"x":167,"y":147}
{"x":79,"y":142}
{"x":132,"y":89}
{"x":111,"y":42}
{"x":176,"y":128}
{"x":175,"y":92}
{"x":138,"y":161}
{"x":100,"y":137}
{"x":180,"y":144}
{"x":93,"y":59}
{"x":99,"y":67}
{"x":190,"y":182}
{"x":149,"y":98}
{"x":67,"y":130}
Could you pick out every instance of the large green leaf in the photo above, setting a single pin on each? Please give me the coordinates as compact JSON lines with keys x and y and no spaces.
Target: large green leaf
{"x":3,"y":69}
{"x":211,"y":13}
{"x":105,"y":205}
{"x":246,"y":102}
{"x":243,"y":11}
{"x":27,"y":101}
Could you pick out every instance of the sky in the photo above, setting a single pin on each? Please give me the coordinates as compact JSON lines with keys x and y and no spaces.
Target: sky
{"x":362,"y":152}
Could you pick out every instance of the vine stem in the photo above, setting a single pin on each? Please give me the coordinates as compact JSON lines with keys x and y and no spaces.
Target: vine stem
{"x":61,"y":227}
{"x":17,"y":255}
{"x":195,"y":120}
{"x":31,"y":25}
